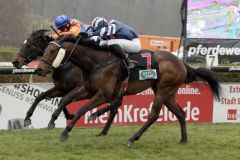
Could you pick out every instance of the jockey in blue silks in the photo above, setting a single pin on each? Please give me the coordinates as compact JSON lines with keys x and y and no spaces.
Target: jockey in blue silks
{"x":119,"y":37}
{"x":67,"y":26}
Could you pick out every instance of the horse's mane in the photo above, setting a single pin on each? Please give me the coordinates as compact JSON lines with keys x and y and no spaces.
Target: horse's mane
{"x":40,"y":32}
{"x":85,"y":42}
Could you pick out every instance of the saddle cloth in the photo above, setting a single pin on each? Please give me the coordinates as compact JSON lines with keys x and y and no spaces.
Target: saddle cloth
{"x":146,"y":66}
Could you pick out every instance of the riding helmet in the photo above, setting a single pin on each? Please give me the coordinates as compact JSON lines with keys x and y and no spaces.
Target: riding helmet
{"x":61,"y":20}
{"x":99,"y":22}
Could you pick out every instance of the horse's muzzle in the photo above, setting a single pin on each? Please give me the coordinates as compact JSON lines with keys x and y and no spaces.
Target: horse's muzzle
{"x":40,"y":72}
{"x":16,"y":64}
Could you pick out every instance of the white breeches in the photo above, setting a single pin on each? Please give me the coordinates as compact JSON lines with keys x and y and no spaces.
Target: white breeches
{"x":130,"y":46}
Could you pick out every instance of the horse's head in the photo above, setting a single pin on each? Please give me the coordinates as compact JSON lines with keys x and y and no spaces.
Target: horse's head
{"x":32,"y":48}
{"x":53,"y":56}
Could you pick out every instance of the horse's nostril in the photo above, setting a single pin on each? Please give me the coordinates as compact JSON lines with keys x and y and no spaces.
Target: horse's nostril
{"x":39,"y":71}
{"x":15,"y":63}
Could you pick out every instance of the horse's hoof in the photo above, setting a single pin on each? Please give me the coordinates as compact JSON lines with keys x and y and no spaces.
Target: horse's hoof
{"x":64,"y":137}
{"x":27,"y":122}
{"x":92,"y":117}
{"x":183,"y":142}
{"x":70,"y":117}
{"x":101,"y":134}
{"x":51,"y":126}
{"x":129,"y":143}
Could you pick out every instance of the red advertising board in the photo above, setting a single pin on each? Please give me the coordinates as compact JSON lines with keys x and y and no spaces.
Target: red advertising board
{"x":195,"y":99}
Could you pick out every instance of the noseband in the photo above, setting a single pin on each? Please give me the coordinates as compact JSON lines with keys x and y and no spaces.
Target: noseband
{"x":48,"y":63}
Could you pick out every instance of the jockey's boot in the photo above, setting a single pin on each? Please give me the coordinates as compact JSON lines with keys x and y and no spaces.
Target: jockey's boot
{"x":118,"y":51}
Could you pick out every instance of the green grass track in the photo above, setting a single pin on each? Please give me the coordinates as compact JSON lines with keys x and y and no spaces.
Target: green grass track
{"x":160,"y":142}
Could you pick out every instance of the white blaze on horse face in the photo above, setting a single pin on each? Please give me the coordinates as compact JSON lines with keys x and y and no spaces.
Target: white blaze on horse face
{"x":59,"y":58}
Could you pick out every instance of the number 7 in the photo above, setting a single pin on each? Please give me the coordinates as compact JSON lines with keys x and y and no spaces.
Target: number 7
{"x":148,"y":56}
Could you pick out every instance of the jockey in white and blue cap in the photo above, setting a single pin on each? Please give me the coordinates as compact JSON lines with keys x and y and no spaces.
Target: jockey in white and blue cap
{"x":119,"y":37}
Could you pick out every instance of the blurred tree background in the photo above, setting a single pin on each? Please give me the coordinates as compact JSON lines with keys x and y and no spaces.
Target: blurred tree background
{"x":154,"y":17}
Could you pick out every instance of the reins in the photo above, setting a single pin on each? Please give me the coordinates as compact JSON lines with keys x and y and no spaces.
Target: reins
{"x":76,"y":43}
{"x":95,"y":67}
{"x":102,"y":65}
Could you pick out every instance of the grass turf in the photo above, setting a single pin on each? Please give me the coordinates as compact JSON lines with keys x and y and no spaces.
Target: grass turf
{"x":205,"y":141}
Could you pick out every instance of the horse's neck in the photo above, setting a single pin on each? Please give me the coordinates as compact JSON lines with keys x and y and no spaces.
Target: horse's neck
{"x":83,"y":57}
{"x":44,"y":44}
{"x":86,"y":58}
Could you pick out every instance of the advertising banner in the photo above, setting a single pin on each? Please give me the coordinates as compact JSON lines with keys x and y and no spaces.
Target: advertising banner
{"x":212,"y":28}
{"x":228,"y":109}
{"x":195,"y":99}
{"x":16,"y":99}
{"x":226,"y":50}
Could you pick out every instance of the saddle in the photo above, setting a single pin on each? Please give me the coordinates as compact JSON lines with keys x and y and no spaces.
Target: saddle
{"x":146,"y":66}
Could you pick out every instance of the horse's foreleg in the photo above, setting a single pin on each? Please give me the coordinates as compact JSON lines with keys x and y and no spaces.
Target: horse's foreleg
{"x":77,"y":93}
{"x":100,"y":112}
{"x":113,"y":107}
{"x":157,"y":105}
{"x":172,"y":105}
{"x":115,"y":104}
{"x":68,"y":115}
{"x":113,"y":113}
{"x":97,"y":100}
{"x":53,"y":92}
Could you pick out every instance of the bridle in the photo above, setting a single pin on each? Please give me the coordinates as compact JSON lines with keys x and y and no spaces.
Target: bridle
{"x":48,"y":63}
{"x":96,"y":67}
{"x":34,"y":46}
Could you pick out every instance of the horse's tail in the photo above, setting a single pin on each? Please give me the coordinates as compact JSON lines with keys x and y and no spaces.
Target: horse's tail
{"x":206,"y":75}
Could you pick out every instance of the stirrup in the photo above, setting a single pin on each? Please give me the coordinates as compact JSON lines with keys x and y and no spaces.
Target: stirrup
{"x":131,"y":65}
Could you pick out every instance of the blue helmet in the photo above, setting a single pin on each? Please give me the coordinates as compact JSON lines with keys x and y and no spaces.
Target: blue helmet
{"x":61,"y":20}
{"x":99,"y":22}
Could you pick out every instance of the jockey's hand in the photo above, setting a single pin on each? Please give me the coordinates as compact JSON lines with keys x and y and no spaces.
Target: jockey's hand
{"x":84,"y":34}
{"x":93,"y":28}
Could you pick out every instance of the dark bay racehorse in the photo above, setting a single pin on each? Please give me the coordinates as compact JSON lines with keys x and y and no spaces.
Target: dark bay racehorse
{"x":104,"y":76}
{"x":65,"y":78}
